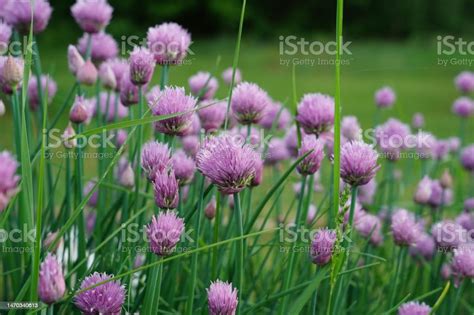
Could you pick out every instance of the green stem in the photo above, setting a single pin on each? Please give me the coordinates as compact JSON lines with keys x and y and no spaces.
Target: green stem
{"x":78,"y":198}
{"x":138,"y":150}
{"x":164,"y":76}
{"x":153,"y":290}
{"x":240,"y":249}
{"x":394,"y":283}
{"x":217,"y":222}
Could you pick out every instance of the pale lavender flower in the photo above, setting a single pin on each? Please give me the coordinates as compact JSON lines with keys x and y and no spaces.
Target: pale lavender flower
{"x":190,"y":145}
{"x":436,"y":197}
{"x":48,"y":87}
{"x":277,"y":151}
{"x":110,"y":109}
{"x":155,"y":157}
{"x":392,"y":138}
{"x":11,"y":73}
{"x":9,"y":182}
{"x":358,"y":163}
{"x":169,"y":42}
{"x":18,"y":14}
{"x":103,"y":46}
{"x":291,"y":141}
{"x":385,"y":97}
{"x":203,"y":85}
{"x":142,"y":65}
{"x":454,"y":144}
{"x":166,"y":189}
{"x":312,"y":210}
{"x":184,"y":167}
{"x":249,"y":102}
{"x":79,"y":111}
{"x":370,"y":225}
{"x":212,"y":117}
{"x":463,"y":107}
{"x":446,"y":271}
{"x":258,"y":178}
{"x":366,"y":193}
{"x":463,"y":261}
{"x":467,"y":158}
{"x":5,"y":35}
{"x":448,"y":234}
{"x":465,"y":82}
{"x":316,"y":113}
{"x":441,"y":149}
{"x":350,"y":128}
{"x":67,"y":137}
{"x":106,"y":298}
{"x":322,"y":246}
{"x":469,"y":204}
{"x":414,"y":308}
{"x":107,"y":76}
{"x":51,"y":285}
{"x":119,"y":67}
{"x":222,"y":298}
{"x":423,"y":191}
{"x":425,"y":144}
{"x":92,"y":16}
{"x":74,"y":58}
{"x":194,"y":128}
{"x":128,"y":91}
{"x":87,"y":74}
{"x":127,"y":176}
{"x":425,"y":247}
{"x":418,"y":121}
{"x":173,"y":100}
{"x":312,"y":162}
{"x":230,"y":166}
{"x":406,"y":231}
{"x":275,"y":115}
{"x":227,"y":76}
{"x":164,"y":232}
{"x":466,"y":220}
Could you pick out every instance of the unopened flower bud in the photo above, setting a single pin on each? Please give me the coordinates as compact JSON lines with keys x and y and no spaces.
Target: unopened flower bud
{"x":127,"y":178}
{"x":74,"y":58}
{"x":210,"y":211}
{"x":2,"y":108}
{"x":12,"y":72}
{"x":446,"y":180}
{"x":67,"y":136}
{"x":108,"y":78}
{"x":79,"y":112}
{"x":87,"y":73}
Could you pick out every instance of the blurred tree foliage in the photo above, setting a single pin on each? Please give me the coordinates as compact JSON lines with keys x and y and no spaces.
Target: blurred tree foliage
{"x":266,"y":18}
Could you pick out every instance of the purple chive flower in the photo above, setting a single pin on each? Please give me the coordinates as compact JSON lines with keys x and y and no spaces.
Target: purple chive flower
{"x":106,"y":298}
{"x":425,"y":143}
{"x":275,"y":115}
{"x":92,"y":202}
{"x":385,"y":97}
{"x":212,"y":117}
{"x":358,"y":163}
{"x":80,"y":112}
{"x":128,"y":91}
{"x":454,"y":144}
{"x":166,"y":189}
{"x":467,"y":158}
{"x":406,"y":231}
{"x":350,"y":128}
{"x":184,"y":167}
{"x":194,"y":128}
{"x":67,"y":135}
{"x":448,"y":234}
{"x":446,"y":271}
{"x":156,"y":157}
{"x":277,"y":151}
{"x":5,"y":35}
{"x":107,"y":76}
{"x":418,"y":121}
{"x":249,"y":102}
{"x":173,"y":100}
{"x":74,"y":58}
{"x":469,"y":204}
{"x":425,"y":247}
{"x":463,"y":107}
{"x":440,"y":149}
{"x":258,"y":178}
{"x":312,"y":211}
{"x":370,"y":225}
{"x":210,"y":210}
{"x":51,"y":285}
{"x":18,"y":14}
{"x":90,"y":222}
{"x":9,"y":182}
{"x":316,"y":113}
{"x":169,"y":42}
{"x":359,"y":213}
{"x":164,"y":232}
{"x":414,"y":308}
{"x":119,"y":68}
{"x":227,"y":76}
{"x":291,"y":141}
{"x":203,"y":85}
{"x":436,"y":197}
{"x":466,"y":220}
{"x":111,"y":110}
{"x":190,"y":145}
{"x":366,"y":192}
{"x":465,"y":82}
{"x":11,"y":73}
{"x":92,"y":16}
{"x":392,"y":137}
{"x":222,"y":298}
{"x":87,"y":74}
{"x":103,"y":46}
{"x":423,"y":191}
{"x":230,"y":165}
{"x":48,"y":86}
{"x":142,"y":65}
{"x":312,"y":162}
{"x":322,"y":246}
{"x":463,"y":261}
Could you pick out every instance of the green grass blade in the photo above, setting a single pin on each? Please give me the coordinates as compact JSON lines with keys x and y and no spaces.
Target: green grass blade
{"x":307,"y":294}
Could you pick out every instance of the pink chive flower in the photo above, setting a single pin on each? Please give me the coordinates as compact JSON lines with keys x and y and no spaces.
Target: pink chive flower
{"x":166,"y":189}
{"x":312,"y":162}
{"x":249,"y":102}
{"x":467,"y":158}
{"x":230,"y":165}
{"x":210,"y":210}
{"x":258,"y":178}
{"x":436,"y":197}
{"x":322,"y":246}
{"x":106,"y":298}
{"x":92,"y":16}
{"x":406,"y":231}
{"x":103,"y":47}
{"x":275,"y":115}
{"x":119,"y":68}
{"x":423,"y":191}
{"x":366,"y":192}
{"x":425,"y":143}
{"x":110,"y":109}
{"x":48,"y":87}
{"x":392,"y":138}
{"x":212,"y":115}
{"x":463,"y":261}
{"x":466,"y":220}
{"x":358,"y":163}
{"x":128,"y":91}
{"x":5,"y":35}
{"x":465,"y":82}
{"x":312,"y":211}
{"x":169,"y":43}
{"x":414,"y":308}
{"x":463,"y":107}
{"x":79,"y":111}
{"x":155,"y":157}
{"x":191,"y":145}
{"x":18,"y":14}
{"x":350,"y":128}
{"x":291,"y":141}
{"x":9,"y":182}
{"x":203,"y":85}
{"x":66,"y":137}
{"x":316,"y":113}
{"x":469,"y":204}
{"x":194,"y":128}
{"x":11,"y":73}
{"x":51,"y":285}
{"x":454,"y":144}
{"x":142,"y":65}
{"x":440,"y":149}
{"x":227,"y":76}
{"x":418,"y":121}
{"x":173,"y":100}
{"x":385,"y":97}
{"x":277,"y":151}
{"x":74,"y":58}
{"x":370,"y":225}
{"x":222,"y":298}
{"x":107,"y":77}
{"x":164,"y":232}
{"x":183,"y":166}
{"x":87,"y":74}
{"x":448,"y":234}
{"x":424,"y":247}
